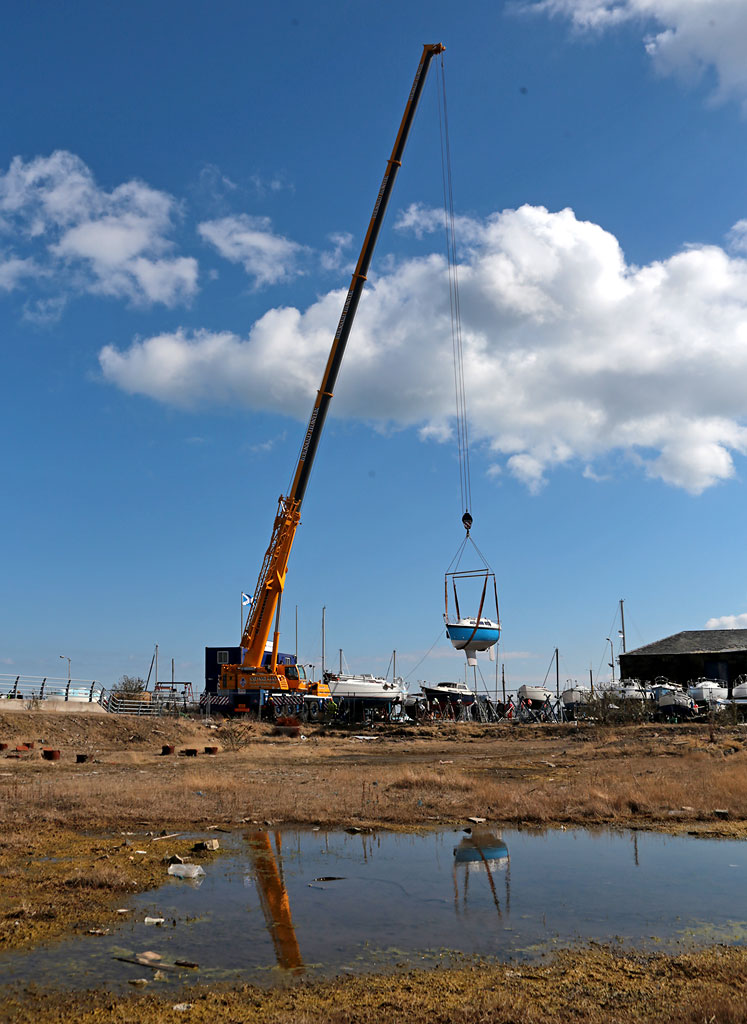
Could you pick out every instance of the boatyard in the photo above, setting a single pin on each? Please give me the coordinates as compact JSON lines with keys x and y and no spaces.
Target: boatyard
{"x":480,"y":786}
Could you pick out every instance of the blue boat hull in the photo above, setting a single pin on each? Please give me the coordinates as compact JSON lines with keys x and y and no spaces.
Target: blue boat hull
{"x":484,"y":636}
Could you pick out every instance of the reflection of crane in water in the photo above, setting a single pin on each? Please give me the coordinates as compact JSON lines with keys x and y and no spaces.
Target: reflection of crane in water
{"x":273,"y":896}
{"x":486,"y":852}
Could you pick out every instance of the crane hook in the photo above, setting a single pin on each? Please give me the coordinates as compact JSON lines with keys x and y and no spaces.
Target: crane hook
{"x":467,"y":522}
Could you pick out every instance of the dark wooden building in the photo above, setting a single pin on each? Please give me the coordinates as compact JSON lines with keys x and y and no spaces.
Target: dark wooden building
{"x":719,"y":654}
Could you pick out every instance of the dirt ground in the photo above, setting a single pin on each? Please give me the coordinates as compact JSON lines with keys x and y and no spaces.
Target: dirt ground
{"x":63,"y":844}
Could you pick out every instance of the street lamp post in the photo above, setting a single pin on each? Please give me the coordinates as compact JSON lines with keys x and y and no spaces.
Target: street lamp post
{"x":612,"y":663}
{"x":65,"y":658}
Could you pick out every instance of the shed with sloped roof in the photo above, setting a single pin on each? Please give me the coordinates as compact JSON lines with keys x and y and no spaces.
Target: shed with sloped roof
{"x":719,"y":654}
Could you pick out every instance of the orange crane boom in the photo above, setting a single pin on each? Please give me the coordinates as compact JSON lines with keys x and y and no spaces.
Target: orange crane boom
{"x":250,"y":675}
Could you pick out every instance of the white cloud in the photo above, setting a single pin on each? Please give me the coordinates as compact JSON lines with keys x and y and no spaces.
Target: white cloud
{"x":264,"y":447}
{"x":737,"y":237}
{"x":690,"y":35}
{"x":267,"y":257}
{"x":13,"y":270}
{"x":84,"y":238}
{"x":728,"y":622}
{"x":276,"y":183}
{"x":335,"y":258}
{"x":570,"y":353}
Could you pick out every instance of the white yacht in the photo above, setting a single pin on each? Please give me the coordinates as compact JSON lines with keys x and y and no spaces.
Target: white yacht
{"x":707,"y":691}
{"x":372,"y":689}
{"x":535,"y":694}
{"x":631,"y":689}
{"x":575,"y":696}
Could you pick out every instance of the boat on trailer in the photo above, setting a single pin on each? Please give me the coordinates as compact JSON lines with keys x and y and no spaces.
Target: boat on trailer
{"x":455,"y":693}
{"x":534,"y":694}
{"x":369,"y":688}
{"x":575,"y":697}
{"x":630,"y":689}
{"x":675,"y":703}
{"x":708,"y":691}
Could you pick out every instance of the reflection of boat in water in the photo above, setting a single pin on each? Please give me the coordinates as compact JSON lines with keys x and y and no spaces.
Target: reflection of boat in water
{"x":274,"y":899}
{"x":483,"y":848}
{"x":485,"y":852}
{"x":455,"y":693}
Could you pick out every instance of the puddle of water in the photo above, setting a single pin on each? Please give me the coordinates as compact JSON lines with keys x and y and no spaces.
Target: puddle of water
{"x":312,"y":903}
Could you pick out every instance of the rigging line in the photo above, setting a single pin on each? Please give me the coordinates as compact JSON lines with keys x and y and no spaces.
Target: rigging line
{"x":458,"y":556}
{"x":481,"y":555}
{"x":424,"y":656}
{"x":599,"y":669}
{"x":457,"y":298}
{"x":482,"y":677}
{"x":614,"y":620}
{"x":454,"y":299}
{"x":455,"y":357}
{"x":552,"y":659}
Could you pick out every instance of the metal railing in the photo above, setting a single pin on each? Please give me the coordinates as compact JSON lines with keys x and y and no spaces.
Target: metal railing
{"x":43,"y":688}
{"x":158,"y":705}
{"x":34,"y":691}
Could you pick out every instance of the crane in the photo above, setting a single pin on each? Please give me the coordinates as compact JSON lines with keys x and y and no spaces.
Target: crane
{"x":249,"y":683}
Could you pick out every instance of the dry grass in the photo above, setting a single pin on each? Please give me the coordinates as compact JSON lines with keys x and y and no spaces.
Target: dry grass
{"x":597,"y":986}
{"x":633,"y":776}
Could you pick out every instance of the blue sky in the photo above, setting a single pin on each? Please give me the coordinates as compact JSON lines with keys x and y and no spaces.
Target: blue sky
{"x":183,"y":192}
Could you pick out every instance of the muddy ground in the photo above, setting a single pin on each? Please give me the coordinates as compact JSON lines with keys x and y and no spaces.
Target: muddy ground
{"x":67,"y":863}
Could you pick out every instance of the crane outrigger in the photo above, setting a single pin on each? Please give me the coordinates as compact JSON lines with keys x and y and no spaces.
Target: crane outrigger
{"x":250,"y":683}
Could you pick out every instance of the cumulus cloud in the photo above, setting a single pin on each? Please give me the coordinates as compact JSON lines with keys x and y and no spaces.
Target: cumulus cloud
{"x":267,"y":257}
{"x":570,"y":353}
{"x":690,"y":35}
{"x":728,"y":622}
{"x":80,"y":236}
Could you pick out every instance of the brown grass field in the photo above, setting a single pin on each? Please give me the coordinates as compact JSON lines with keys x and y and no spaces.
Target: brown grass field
{"x":654,"y":777}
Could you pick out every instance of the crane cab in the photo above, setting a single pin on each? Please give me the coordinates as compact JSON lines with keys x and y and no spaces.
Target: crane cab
{"x":295,"y":676}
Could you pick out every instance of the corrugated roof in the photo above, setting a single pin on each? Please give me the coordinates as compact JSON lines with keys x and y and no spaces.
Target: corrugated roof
{"x":696,"y":641}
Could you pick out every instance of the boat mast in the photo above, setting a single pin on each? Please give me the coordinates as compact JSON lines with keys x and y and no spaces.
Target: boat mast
{"x":324,"y":609}
{"x":622,"y":622}
{"x":557,"y":674}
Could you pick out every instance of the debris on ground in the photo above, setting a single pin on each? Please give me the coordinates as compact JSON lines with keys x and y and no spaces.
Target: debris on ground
{"x":206,"y":844}
{"x":185,"y":870}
